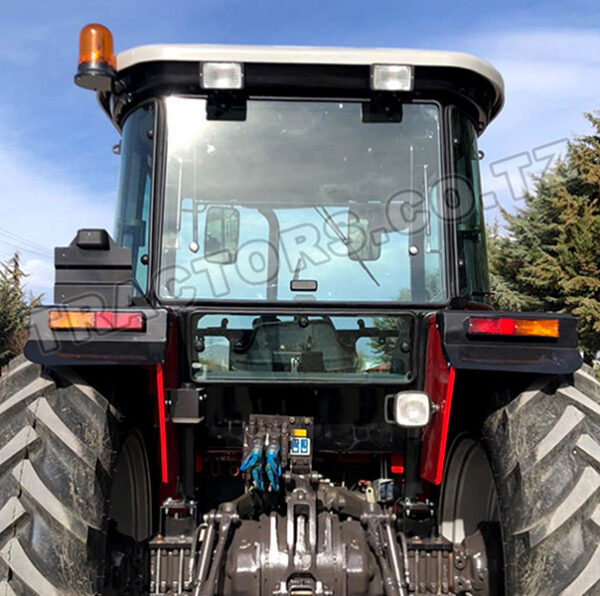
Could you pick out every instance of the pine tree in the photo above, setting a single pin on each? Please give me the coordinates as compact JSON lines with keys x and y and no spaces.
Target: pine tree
{"x":506,"y":297}
{"x":550,"y":259}
{"x":15,"y":307}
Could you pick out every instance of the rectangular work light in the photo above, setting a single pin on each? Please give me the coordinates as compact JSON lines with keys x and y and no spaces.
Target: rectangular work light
{"x":514,"y":327}
{"x":60,"y":320}
{"x":392,"y":77}
{"x":222,"y":75}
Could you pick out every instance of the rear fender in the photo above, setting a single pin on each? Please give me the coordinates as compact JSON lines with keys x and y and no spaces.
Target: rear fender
{"x":72,"y":347}
{"x":452,"y":349}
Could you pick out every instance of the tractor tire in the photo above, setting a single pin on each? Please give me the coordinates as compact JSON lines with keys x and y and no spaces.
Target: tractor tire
{"x":544,"y":450}
{"x":63,"y":450}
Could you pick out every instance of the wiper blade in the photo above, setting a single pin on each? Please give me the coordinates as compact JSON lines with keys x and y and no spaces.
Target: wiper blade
{"x":340,"y":234}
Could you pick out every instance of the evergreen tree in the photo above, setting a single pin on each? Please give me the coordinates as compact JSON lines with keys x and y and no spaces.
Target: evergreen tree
{"x":15,"y":307}
{"x":550,"y":259}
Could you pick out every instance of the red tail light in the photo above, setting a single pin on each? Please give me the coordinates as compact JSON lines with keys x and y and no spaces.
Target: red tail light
{"x":397,"y":463}
{"x":515,"y":327}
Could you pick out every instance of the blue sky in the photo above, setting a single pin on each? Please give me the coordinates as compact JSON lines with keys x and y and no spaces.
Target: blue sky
{"x":57,"y":171}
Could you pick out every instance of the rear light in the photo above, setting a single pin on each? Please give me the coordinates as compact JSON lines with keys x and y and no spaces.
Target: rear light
{"x":222,"y":75}
{"x":514,"y":327}
{"x":101,"y":320}
{"x":411,"y":409}
{"x":397,"y":463}
{"x":392,"y":77}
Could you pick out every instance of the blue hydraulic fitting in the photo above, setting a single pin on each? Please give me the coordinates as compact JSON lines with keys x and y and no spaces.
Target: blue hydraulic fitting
{"x":273,"y":465}
{"x":257,"y":477}
{"x":253,"y":462}
{"x":252,"y":458}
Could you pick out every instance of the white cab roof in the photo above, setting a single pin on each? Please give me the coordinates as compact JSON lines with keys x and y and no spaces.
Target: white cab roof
{"x":310,"y":55}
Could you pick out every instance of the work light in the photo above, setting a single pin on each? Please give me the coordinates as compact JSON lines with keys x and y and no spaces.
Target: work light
{"x":222,"y":75}
{"x":411,"y":409}
{"x":391,"y":77}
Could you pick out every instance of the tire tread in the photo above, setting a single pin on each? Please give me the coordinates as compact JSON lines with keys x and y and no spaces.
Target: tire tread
{"x":544,"y":447}
{"x":55,"y":453}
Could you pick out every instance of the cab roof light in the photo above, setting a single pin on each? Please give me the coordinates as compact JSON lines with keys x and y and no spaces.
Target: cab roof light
{"x":222,"y":75}
{"x":508,"y":326}
{"x":392,"y":77}
{"x":73,"y":320}
{"x":97,"y":62}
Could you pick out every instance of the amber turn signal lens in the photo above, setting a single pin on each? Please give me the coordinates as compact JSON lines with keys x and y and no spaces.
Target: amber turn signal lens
{"x":96,"y":46}
{"x":537,"y":328}
{"x":58,"y":319}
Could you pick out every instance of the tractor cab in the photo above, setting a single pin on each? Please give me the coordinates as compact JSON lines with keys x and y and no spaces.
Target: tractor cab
{"x":287,"y":172}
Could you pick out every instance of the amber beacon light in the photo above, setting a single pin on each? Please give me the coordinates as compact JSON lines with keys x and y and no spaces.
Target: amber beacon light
{"x":97,"y":63}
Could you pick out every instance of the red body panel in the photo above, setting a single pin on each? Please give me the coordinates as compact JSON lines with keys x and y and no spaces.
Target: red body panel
{"x":162,"y":424}
{"x":167,"y":378}
{"x":439,"y":385}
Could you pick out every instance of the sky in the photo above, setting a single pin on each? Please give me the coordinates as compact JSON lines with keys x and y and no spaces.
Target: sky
{"x":57,"y":171}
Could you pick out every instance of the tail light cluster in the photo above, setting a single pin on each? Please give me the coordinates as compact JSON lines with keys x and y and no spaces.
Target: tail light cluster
{"x":514,"y":327}
{"x":100,"y":320}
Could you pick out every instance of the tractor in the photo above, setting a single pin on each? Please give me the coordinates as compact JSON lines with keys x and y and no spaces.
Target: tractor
{"x":281,"y":373}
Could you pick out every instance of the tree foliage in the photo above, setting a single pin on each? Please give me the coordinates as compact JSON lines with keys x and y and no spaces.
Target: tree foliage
{"x":15,"y":307}
{"x":550,"y":258}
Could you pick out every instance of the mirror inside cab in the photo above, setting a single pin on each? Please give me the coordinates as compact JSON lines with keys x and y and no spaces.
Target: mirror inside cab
{"x":410,"y":409}
{"x":368,"y":222}
{"x":366,"y":225}
{"x":222,"y":235}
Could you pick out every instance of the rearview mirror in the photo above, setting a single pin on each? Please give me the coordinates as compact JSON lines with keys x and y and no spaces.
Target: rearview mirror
{"x":365,"y":228}
{"x":222,"y":235}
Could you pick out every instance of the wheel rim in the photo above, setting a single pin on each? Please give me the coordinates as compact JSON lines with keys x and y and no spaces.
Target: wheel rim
{"x":468,"y":492}
{"x":131,"y":496}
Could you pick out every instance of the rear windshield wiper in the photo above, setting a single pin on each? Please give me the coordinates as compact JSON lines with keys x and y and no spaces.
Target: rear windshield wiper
{"x":331,"y":223}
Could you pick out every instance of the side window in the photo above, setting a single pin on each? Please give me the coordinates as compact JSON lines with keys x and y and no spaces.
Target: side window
{"x":132,"y":223}
{"x":470,"y":226}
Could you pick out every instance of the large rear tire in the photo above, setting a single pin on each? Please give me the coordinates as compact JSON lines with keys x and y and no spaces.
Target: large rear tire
{"x":62,"y":446}
{"x":544,"y":449}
